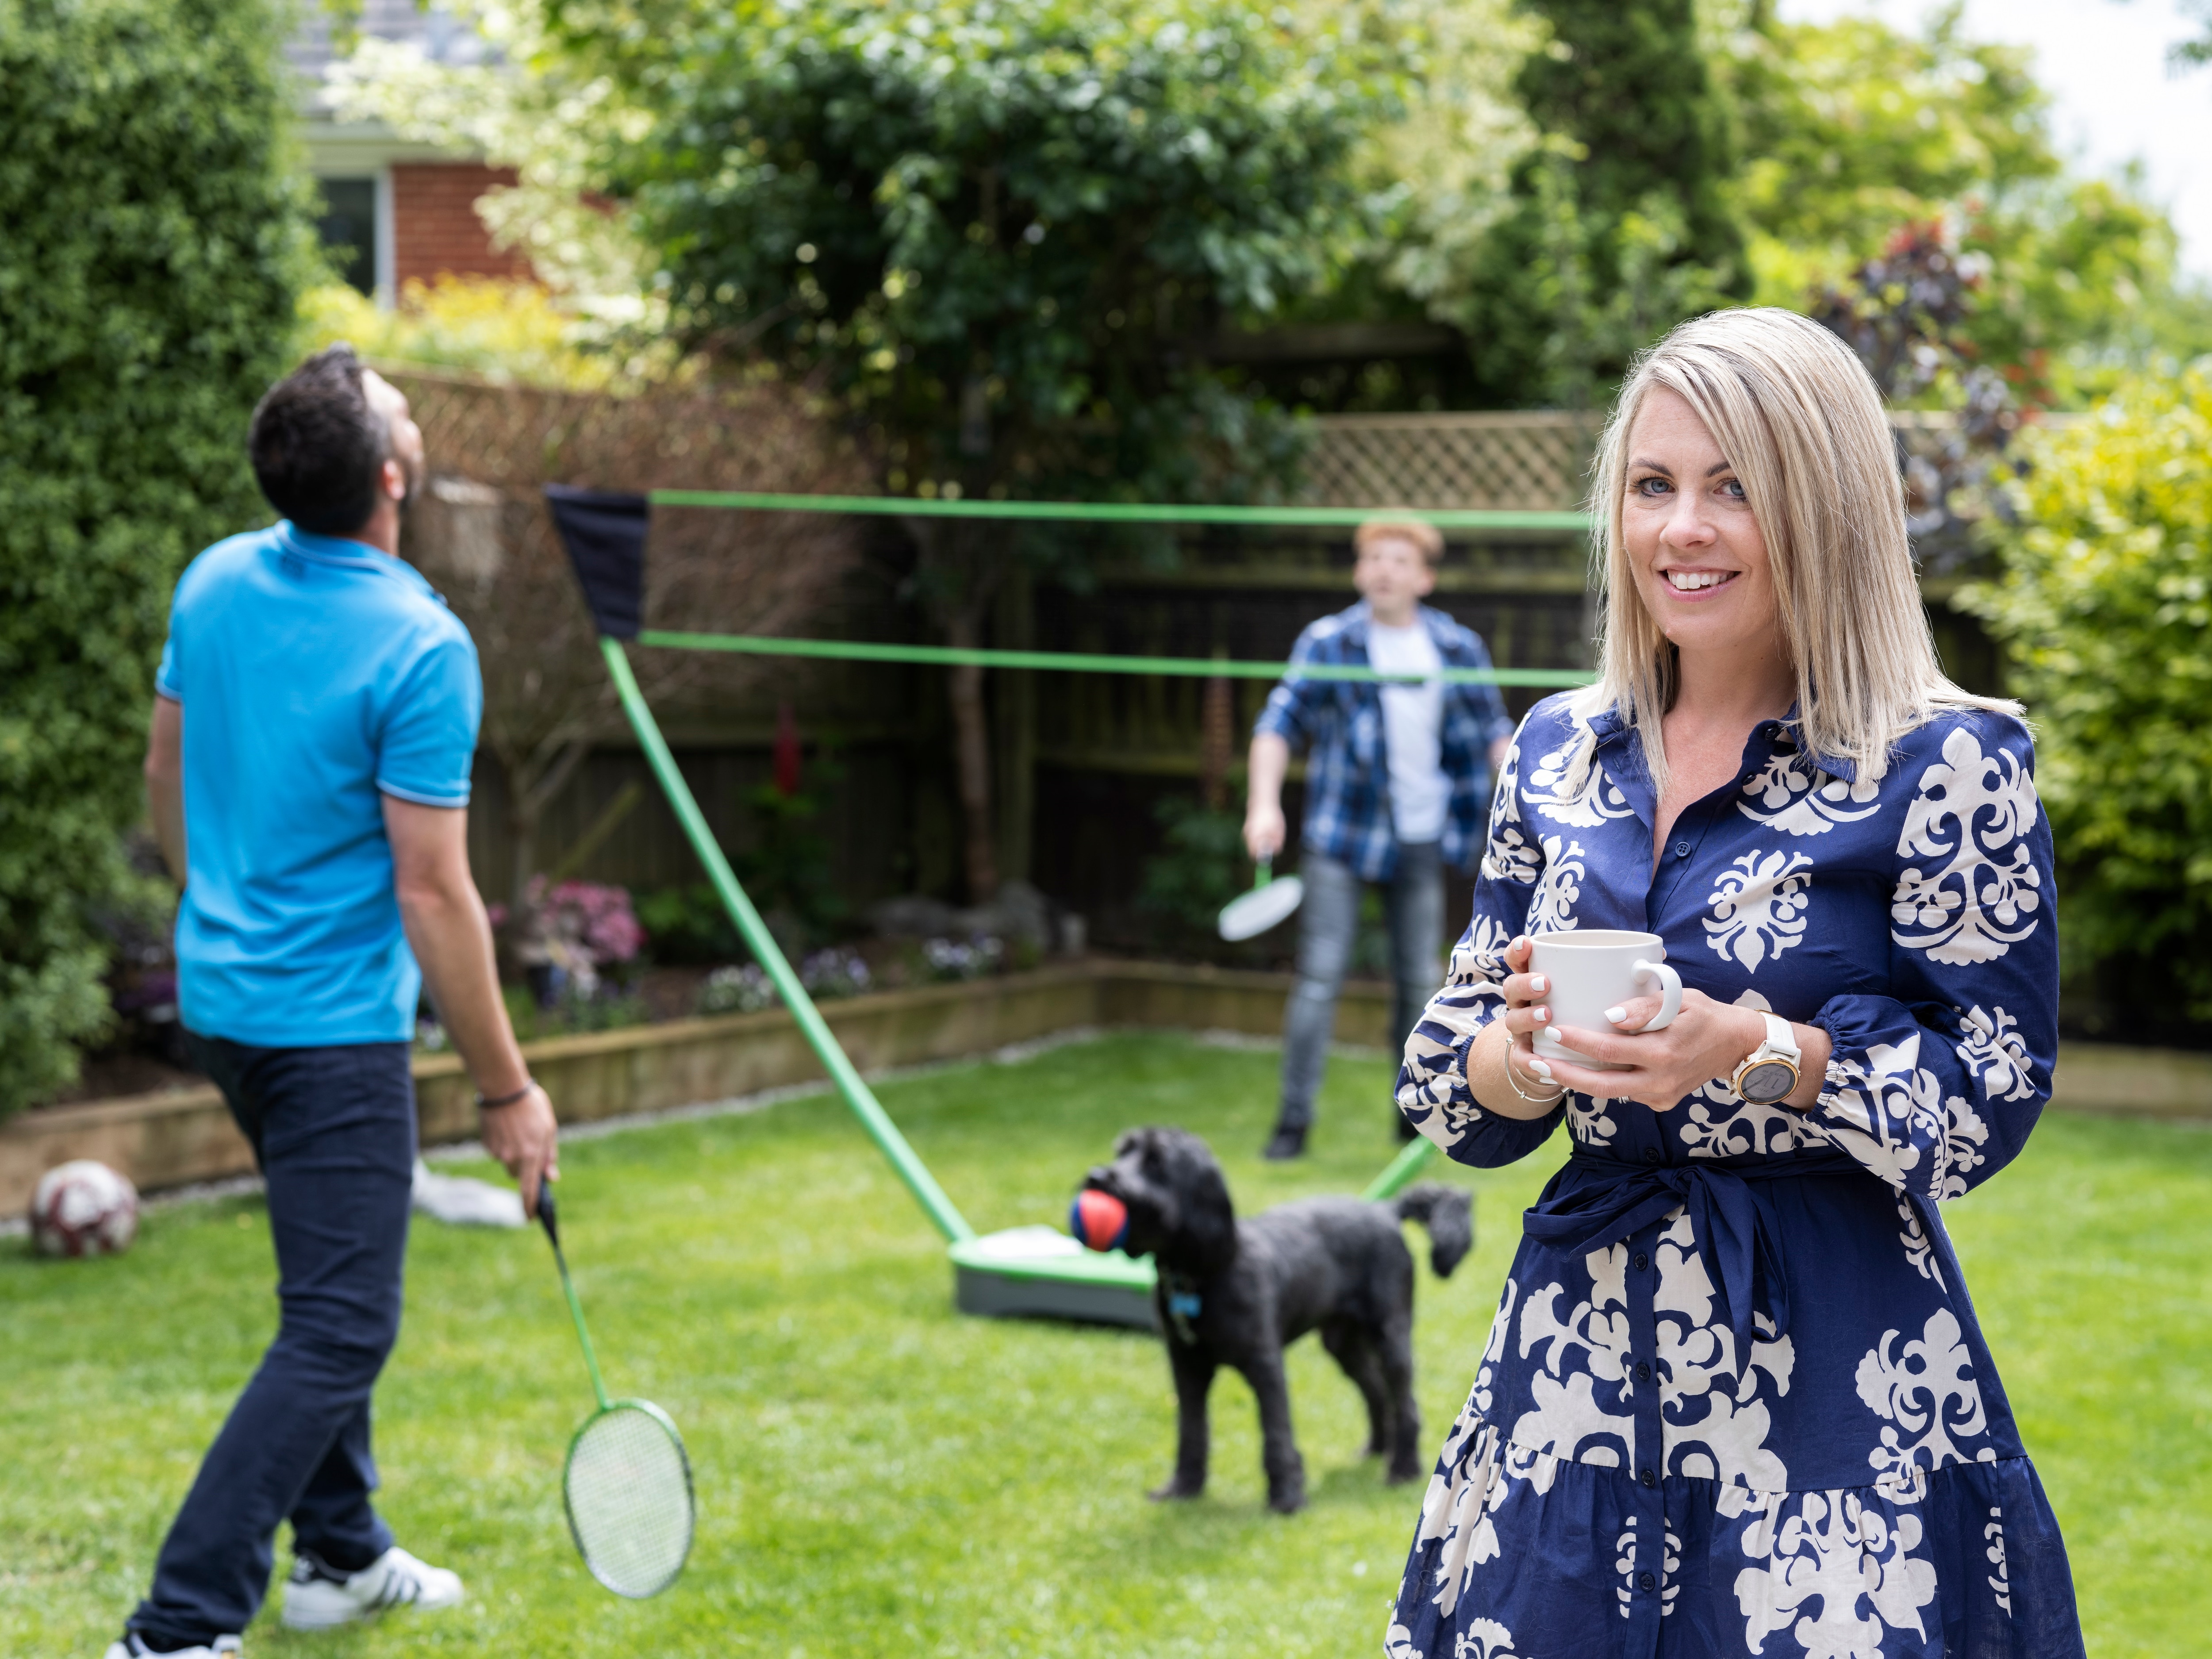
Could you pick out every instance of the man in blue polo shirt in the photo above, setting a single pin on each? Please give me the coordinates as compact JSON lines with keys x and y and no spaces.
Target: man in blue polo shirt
{"x":1396,"y":780}
{"x":308,"y":779}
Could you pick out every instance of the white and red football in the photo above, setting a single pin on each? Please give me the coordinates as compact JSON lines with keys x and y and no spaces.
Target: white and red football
{"x":83,"y":1208}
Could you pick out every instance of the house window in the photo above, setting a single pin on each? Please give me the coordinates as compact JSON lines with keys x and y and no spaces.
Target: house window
{"x":348,"y":229}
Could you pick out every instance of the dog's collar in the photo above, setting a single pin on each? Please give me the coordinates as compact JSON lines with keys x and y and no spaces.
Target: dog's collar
{"x":1184,"y":1305}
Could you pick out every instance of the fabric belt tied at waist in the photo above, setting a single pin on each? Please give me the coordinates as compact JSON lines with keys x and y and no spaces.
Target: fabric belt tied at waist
{"x":1598,"y":1200}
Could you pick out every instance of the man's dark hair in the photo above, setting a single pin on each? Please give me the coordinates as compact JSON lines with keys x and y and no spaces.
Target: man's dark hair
{"x":317,"y":447}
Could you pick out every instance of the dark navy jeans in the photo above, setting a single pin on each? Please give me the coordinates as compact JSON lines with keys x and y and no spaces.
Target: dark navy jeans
{"x":333,"y":1130}
{"x":1329,"y":927}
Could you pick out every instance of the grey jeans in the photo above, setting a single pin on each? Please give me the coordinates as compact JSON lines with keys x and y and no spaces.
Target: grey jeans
{"x":1329,"y":926}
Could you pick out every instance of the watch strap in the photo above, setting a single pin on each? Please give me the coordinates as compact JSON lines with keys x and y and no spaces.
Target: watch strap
{"x":1778,"y":1046}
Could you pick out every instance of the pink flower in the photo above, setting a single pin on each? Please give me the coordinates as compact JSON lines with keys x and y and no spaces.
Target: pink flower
{"x":595,"y":916}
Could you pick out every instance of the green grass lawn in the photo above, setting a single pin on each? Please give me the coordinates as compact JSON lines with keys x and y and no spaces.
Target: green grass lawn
{"x":878,"y":1475}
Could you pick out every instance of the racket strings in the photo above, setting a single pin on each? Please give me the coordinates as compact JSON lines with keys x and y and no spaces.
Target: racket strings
{"x":628,"y":1493}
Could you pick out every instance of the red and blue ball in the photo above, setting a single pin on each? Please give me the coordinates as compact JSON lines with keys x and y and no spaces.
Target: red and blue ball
{"x":1099,"y":1220}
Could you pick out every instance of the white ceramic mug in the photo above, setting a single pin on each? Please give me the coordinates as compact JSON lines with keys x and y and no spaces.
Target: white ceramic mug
{"x":1589,"y":970}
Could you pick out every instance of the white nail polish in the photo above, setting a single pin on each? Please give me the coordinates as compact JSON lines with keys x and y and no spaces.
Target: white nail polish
{"x":1540,"y":985}
{"x":1616,"y":1015}
{"x":1540,"y":1069}
{"x":1542,"y":1015}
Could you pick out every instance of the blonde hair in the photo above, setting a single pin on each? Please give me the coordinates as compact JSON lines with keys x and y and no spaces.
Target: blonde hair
{"x":1801,"y":421}
{"x":1421,"y":533}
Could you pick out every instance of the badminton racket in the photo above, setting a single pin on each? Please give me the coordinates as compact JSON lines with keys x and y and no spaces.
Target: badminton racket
{"x":627,"y":1485}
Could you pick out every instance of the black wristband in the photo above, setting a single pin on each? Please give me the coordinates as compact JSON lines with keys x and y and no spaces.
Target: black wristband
{"x":484,"y":1101}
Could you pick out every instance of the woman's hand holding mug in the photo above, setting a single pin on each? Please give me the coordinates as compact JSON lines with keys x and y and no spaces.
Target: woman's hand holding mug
{"x":1526,"y":1014}
{"x":1644,"y":1053}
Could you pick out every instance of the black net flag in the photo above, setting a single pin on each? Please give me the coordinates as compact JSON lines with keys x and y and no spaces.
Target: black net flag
{"x":603,"y":530}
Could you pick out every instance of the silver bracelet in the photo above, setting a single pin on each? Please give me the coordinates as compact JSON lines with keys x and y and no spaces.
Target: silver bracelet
{"x":1513,"y":1083}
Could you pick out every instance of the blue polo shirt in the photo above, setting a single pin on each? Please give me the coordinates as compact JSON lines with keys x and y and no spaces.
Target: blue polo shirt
{"x":317,"y":675}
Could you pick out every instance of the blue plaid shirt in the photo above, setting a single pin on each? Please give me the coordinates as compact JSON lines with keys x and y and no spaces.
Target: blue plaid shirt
{"x":1340,"y":724}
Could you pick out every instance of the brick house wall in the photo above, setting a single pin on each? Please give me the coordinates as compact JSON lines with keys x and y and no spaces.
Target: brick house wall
{"x":435,"y":227}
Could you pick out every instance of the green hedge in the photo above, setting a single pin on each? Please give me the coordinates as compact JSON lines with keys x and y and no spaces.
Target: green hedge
{"x":157,"y":232}
{"x":2106,"y":605}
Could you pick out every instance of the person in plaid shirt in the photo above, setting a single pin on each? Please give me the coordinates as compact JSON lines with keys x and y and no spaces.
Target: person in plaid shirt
{"x":1396,"y":781}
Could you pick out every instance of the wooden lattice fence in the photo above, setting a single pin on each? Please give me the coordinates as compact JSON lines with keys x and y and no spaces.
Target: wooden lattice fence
{"x":1534,"y":460}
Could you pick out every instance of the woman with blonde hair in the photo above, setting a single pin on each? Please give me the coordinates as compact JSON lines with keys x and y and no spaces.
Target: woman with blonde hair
{"x":1735,"y":1399}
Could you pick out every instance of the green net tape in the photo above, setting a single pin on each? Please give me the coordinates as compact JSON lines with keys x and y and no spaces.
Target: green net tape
{"x":1079,"y":662}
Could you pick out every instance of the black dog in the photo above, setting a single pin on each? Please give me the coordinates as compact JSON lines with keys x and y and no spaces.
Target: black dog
{"x":1237,"y":1293}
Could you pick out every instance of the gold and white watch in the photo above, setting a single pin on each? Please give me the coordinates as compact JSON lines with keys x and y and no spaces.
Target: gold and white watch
{"x":1770,"y":1071}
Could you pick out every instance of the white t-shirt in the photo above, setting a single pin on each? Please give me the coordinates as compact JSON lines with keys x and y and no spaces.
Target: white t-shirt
{"x":1413,"y":730}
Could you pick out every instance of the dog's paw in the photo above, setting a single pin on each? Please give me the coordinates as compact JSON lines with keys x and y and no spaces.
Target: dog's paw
{"x":1288,"y":1501}
{"x":1175,"y":1491}
{"x":1402,"y":1474}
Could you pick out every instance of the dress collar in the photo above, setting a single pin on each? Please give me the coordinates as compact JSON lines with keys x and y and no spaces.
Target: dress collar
{"x":1609,"y":725}
{"x":1836,"y":766}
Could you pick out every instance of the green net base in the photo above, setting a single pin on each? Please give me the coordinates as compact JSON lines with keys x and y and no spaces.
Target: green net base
{"x":1040,"y":1272}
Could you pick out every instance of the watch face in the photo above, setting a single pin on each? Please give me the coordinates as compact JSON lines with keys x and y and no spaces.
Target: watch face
{"x":1767,"y":1082}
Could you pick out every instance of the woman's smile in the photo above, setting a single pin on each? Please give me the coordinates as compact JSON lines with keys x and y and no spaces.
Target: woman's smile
{"x":1695,"y":584}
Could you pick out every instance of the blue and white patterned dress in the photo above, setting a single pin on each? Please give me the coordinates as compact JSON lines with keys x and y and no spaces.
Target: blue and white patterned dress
{"x":1735,"y":1399}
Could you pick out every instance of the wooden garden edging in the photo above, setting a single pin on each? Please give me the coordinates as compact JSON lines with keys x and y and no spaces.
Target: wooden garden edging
{"x":184,"y":1136}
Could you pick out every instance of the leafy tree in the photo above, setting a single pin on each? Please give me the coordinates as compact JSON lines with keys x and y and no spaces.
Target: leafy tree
{"x":529,"y":107}
{"x":1446,"y":166}
{"x":985,"y":232}
{"x":2193,"y":54}
{"x":1857,"y":130}
{"x":156,"y":235}
{"x":508,"y":331}
{"x":2106,"y":602}
{"x":1622,"y":222}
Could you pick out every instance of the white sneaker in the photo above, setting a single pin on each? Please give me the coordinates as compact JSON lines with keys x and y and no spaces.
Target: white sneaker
{"x":317,"y":1597}
{"x":133,"y":1646}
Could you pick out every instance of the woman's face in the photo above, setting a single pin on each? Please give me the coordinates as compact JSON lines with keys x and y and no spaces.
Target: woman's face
{"x":1700,"y":559}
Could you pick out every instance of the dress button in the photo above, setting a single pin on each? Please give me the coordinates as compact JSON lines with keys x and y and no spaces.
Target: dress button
{"x":1642,"y":1261}
{"x":1649,"y":1479}
{"x":1643,"y":1373}
{"x":1646,"y":1581}
{"x":1682,"y":849}
{"x":1650,"y":1154}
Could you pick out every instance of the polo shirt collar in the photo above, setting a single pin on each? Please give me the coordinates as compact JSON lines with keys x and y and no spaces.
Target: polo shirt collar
{"x":344,"y":551}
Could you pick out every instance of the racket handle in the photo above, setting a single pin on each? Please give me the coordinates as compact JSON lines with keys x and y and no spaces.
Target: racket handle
{"x":547,"y":1217}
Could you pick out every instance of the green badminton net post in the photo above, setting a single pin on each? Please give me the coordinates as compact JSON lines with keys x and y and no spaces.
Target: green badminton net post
{"x":1401,"y":1171}
{"x":843,"y":1076}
